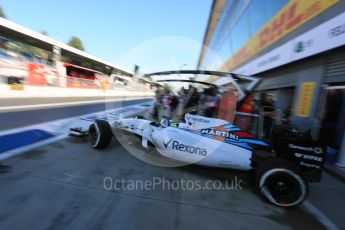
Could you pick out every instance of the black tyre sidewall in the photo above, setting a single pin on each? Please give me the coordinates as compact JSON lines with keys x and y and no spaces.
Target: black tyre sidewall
{"x":104,"y":134}
{"x":274,"y":167}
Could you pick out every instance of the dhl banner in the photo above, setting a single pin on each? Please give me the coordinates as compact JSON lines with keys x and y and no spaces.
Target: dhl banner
{"x":326,"y":36}
{"x":305,"y":99}
{"x":292,"y":16}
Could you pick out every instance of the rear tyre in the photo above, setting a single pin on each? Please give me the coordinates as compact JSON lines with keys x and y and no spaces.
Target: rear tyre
{"x":281,"y":182}
{"x":100,"y":134}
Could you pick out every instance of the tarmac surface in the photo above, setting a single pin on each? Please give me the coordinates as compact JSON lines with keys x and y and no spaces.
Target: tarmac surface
{"x":21,"y":118}
{"x":47,"y":100}
{"x":69,"y":185}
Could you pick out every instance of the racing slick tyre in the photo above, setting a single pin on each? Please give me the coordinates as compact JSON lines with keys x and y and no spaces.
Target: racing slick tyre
{"x":281,"y":182}
{"x":100,"y":134}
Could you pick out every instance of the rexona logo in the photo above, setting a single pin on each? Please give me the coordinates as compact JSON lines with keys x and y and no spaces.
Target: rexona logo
{"x":220,"y":133}
{"x":186,"y":148}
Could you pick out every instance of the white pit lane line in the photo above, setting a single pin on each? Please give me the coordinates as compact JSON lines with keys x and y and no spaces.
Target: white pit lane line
{"x":62,"y":104}
{"x":322,"y":218}
{"x":60,"y":128}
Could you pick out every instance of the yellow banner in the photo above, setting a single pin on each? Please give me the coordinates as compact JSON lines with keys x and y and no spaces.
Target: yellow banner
{"x":305,"y":99}
{"x":293,"y":15}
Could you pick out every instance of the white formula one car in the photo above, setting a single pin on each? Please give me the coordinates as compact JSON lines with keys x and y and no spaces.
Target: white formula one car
{"x":282,"y":169}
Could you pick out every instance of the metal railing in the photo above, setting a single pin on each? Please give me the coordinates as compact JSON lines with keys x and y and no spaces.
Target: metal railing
{"x":254,"y":123}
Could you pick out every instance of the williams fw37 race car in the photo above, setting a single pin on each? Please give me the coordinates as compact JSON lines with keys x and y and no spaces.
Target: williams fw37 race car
{"x":282,"y":167}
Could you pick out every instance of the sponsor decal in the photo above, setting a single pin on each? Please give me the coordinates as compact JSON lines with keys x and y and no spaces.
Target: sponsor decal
{"x":198,"y":119}
{"x":316,"y":150}
{"x":305,"y":99}
{"x":303,"y":45}
{"x":185,"y":148}
{"x":310,"y":165}
{"x":308,"y":157}
{"x":167,"y":143}
{"x":220,"y":133}
{"x":336,"y":31}
{"x":269,"y":60}
{"x":188,"y":148}
{"x":229,"y":134}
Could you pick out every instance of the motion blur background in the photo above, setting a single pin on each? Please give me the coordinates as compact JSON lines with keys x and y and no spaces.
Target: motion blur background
{"x":62,"y":59}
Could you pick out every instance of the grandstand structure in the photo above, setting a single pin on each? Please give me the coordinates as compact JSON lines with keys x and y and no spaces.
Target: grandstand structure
{"x":24,"y":35}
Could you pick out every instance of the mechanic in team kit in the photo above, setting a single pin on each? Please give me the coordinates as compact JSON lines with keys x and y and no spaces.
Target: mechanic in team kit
{"x":211,"y":102}
{"x":206,"y":103}
{"x":170,"y":105}
{"x":159,"y":93}
{"x":192,"y":101}
{"x":269,"y":113}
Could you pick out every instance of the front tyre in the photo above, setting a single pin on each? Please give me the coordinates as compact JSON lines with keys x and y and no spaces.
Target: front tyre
{"x":100,"y":134}
{"x":281,"y":182}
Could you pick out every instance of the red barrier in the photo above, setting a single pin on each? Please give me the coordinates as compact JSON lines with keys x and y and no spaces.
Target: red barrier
{"x":36,"y":75}
{"x":246,"y":107}
{"x":73,"y":82}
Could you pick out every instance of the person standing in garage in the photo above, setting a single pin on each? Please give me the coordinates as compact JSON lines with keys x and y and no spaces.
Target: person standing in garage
{"x":269,"y":113}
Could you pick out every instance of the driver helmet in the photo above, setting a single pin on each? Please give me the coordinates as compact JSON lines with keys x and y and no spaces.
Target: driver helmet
{"x":166,"y":122}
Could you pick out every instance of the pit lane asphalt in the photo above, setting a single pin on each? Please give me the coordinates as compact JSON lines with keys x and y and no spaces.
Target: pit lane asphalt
{"x":46,"y":100}
{"x":60,"y":186}
{"x":10,"y":120}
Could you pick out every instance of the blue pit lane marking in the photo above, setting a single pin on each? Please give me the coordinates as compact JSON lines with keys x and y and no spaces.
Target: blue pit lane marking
{"x":21,"y":139}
